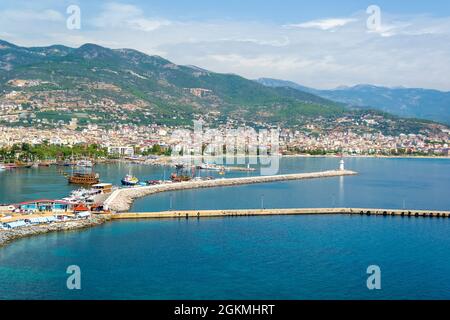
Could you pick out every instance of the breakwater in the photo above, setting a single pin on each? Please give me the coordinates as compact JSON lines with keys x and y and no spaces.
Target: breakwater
{"x":279,"y":212}
{"x":122,"y":199}
{"x":7,"y":236}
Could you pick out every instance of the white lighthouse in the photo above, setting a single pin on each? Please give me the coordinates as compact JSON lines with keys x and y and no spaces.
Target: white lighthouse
{"x":341,"y":165}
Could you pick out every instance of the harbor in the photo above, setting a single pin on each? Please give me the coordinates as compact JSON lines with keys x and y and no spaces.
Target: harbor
{"x":121,"y":200}
{"x":110,"y":201}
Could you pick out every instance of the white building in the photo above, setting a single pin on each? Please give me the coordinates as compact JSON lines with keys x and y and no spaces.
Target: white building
{"x":121,"y":151}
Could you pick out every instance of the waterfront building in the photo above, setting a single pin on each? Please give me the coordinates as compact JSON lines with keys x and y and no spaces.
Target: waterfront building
{"x":121,"y":151}
{"x":45,"y":206}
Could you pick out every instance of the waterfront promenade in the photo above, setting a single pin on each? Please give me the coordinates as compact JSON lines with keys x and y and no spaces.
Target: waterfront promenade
{"x":122,"y":199}
{"x":280,"y":212}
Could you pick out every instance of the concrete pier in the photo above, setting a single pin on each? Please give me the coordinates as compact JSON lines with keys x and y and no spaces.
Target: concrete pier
{"x":279,"y":212}
{"x":122,"y":199}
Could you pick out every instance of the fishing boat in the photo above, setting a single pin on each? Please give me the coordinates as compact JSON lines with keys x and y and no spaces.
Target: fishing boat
{"x":129,"y":180}
{"x":84,"y":178}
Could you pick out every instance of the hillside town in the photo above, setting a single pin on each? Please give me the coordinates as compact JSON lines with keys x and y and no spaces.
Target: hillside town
{"x":129,"y":140}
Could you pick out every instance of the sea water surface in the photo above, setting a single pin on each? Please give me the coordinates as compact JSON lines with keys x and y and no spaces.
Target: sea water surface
{"x":288,"y":257}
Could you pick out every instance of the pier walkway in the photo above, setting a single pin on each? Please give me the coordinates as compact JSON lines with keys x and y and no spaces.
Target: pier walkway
{"x":121,"y":200}
{"x":279,"y":212}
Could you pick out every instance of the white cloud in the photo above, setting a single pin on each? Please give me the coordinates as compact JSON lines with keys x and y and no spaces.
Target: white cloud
{"x":325,"y":24}
{"x":117,"y":15}
{"x":28,"y":15}
{"x":321,"y":53}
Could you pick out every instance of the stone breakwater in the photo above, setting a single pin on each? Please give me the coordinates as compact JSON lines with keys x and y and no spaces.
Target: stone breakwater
{"x":7,"y":236}
{"x":122,"y":199}
{"x":279,"y":212}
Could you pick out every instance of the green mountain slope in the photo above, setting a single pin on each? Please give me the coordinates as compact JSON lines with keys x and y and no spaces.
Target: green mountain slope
{"x":405,"y":102}
{"x":110,"y":86}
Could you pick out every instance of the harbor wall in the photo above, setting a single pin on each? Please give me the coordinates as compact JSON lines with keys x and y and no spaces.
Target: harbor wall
{"x":279,"y":212}
{"x":122,"y":199}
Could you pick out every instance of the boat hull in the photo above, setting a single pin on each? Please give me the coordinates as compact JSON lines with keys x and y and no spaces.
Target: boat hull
{"x":84,"y":179}
{"x":128,"y":183}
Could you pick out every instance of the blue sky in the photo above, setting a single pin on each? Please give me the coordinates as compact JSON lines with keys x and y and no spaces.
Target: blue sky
{"x":319,"y":43}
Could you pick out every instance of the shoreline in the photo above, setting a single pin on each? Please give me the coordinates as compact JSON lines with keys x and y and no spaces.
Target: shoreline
{"x":170,"y":160}
{"x":121,"y":200}
{"x":7,"y":236}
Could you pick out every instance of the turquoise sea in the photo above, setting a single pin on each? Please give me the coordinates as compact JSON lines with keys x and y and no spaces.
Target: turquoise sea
{"x":291,"y":257}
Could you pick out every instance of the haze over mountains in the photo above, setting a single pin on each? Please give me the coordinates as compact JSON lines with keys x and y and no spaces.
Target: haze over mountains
{"x":405,"y":102}
{"x":105,"y":86}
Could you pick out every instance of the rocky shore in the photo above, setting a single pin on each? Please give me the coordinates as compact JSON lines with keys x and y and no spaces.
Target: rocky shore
{"x":7,"y":236}
{"x":122,"y":199}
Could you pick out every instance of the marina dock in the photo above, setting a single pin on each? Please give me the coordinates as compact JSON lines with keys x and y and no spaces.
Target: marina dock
{"x":280,"y":212}
{"x":122,"y":199}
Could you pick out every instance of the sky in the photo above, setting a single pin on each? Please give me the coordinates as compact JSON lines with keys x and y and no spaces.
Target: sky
{"x":322,"y":44}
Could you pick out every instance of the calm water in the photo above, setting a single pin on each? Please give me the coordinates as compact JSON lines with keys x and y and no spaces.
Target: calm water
{"x":307,"y":257}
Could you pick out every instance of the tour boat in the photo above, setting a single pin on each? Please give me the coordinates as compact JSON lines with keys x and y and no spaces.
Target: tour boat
{"x":130,"y":180}
{"x":84,"y":178}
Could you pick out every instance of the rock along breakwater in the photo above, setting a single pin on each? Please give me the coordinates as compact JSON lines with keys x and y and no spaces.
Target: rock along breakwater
{"x":122,"y":199}
{"x":7,"y":236}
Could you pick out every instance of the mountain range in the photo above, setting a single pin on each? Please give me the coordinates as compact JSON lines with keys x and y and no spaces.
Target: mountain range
{"x":405,"y":102}
{"x":102,"y":85}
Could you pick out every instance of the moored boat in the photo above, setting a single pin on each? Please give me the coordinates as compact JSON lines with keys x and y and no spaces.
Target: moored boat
{"x":85,"y":163}
{"x":84,"y":178}
{"x":129,"y":180}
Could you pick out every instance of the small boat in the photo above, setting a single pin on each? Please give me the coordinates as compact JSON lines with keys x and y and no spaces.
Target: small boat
{"x":129,"y":180}
{"x":43,"y":164}
{"x":85,"y":163}
{"x":20,"y":164}
{"x":179,"y":178}
{"x":153,"y":182}
{"x":208,"y":166}
{"x":2,"y":167}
